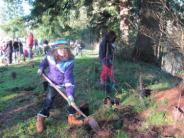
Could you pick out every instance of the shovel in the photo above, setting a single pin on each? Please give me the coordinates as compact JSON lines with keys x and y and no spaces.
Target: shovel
{"x":92,"y":122}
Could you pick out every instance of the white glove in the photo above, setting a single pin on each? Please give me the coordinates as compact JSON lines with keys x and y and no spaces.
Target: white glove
{"x":70,"y":100}
{"x":39,"y":72}
{"x":113,"y":45}
{"x":58,"y":86}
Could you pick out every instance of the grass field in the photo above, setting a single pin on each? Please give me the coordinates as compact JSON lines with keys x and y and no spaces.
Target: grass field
{"x":21,"y":98}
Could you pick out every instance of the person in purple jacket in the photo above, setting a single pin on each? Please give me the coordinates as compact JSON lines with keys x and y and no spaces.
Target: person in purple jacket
{"x":60,"y":64}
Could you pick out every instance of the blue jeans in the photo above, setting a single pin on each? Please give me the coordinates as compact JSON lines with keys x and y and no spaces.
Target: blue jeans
{"x":30,"y":53}
{"x":51,"y":94}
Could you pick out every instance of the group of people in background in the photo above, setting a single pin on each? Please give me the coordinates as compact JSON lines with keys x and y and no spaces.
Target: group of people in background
{"x":78,"y":46}
{"x":16,"y":51}
{"x":13,"y":51}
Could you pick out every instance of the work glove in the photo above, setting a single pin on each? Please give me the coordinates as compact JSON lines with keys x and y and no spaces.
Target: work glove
{"x":70,"y":100}
{"x":113,"y":46}
{"x":59,"y":87}
{"x":40,"y":72}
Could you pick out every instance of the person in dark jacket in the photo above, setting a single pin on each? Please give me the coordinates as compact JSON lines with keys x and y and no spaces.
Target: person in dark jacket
{"x":106,"y":50}
{"x":46,"y":47}
{"x":60,"y":64}
{"x":8,"y":50}
{"x":35,"y":43}
{"x":17,"y":50}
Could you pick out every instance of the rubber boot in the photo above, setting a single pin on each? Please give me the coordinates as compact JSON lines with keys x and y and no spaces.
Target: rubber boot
{"x":107,"y":101}
{"x":73,"y":121}
{"x":40,"y":123}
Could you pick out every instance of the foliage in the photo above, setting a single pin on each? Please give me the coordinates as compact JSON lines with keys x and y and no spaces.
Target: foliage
{"x":15,"y":27}
{"x":57,"y":18}
{"x":11,"y":9}
{"x":97,"y":17}
{"x":73,"y":17}
{"x":12,"y":17}
{"x":177,"y":6}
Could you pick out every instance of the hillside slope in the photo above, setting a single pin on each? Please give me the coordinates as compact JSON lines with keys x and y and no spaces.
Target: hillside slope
{"x":21,"y":98}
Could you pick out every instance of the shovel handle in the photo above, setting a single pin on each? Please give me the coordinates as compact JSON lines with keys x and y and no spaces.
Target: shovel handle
{"x":54,"y":86}
{"x":63,"y":95}
{"x":78,"y":110}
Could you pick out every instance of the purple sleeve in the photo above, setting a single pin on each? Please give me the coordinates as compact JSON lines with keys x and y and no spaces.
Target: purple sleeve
{"x":69,"y":80}
{"x":44,"y":64}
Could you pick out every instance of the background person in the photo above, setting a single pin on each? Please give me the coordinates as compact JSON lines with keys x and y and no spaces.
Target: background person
{"x":29,"y":44}
{"x":8,"y":50}
{"x":106,"y":50}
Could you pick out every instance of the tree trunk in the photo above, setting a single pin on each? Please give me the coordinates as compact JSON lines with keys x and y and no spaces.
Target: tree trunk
{"x":124,"y":28}
{"x":147,"y":46}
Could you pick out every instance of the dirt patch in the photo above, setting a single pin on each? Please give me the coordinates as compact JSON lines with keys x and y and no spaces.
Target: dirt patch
{"x":128,"y":122}
{"x":174,"y":98}
{"x":171,"y":131}
{"x":171,"y":101}
{"x":21,"y":108}
{"x":103,"y":133}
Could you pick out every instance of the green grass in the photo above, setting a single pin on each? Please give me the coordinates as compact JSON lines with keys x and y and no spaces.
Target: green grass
{"x":14,"y":94}
{"x":157,"y":118}
{"x":27,"y":129}
{"x":5,"y":98}
{"x":121,"y":134}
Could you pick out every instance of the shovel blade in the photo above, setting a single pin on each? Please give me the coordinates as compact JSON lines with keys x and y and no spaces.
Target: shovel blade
{"x":93,"y":124}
